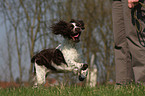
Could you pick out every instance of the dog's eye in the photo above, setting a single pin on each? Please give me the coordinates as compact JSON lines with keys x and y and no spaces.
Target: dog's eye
{"x":78,"y":24}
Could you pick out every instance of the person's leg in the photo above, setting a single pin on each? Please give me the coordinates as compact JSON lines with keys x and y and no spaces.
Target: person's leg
{"x":124,"y":72}
{"x":135,"y":47}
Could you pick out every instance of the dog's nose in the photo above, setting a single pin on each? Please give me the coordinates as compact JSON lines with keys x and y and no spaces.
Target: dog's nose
{"x":78,"y":29}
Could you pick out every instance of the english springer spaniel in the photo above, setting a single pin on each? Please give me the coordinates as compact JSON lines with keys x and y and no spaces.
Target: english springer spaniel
{"x":65,"y":57}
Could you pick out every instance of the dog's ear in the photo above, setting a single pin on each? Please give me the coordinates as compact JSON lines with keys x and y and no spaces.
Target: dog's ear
{"x":82,"y":24}
{"x":60,"y":28}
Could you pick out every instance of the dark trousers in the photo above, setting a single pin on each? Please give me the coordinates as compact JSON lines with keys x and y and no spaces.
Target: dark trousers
{"x":129,"y":49}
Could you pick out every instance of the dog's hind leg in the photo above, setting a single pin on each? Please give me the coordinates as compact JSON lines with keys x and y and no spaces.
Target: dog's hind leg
{"x":40,"y":75}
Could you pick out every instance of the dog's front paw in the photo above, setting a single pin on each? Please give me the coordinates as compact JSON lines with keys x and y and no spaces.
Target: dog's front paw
{"x":81,"y":78}
{"x":83,"y":72}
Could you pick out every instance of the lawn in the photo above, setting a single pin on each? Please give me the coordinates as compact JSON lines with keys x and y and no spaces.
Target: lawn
{"x":104,"y":90}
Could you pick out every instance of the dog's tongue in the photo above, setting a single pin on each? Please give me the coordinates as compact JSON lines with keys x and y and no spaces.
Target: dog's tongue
{"x":76,"y":35}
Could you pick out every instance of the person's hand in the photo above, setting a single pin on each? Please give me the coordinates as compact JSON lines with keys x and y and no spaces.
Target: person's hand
{"x":132,"y":3}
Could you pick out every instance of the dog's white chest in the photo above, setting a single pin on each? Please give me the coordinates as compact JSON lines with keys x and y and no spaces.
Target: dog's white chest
{"x":70,"y":54}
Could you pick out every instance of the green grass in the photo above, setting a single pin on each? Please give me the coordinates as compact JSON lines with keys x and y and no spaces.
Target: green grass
{"x":108,"y":90}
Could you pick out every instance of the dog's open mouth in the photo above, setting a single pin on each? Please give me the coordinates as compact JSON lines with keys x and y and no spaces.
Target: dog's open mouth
{"x":76,"y":37}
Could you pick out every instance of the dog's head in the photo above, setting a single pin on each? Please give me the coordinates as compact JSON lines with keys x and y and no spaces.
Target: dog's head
{"x":71,"y":30}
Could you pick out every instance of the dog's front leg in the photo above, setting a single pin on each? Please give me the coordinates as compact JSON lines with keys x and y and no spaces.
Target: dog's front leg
{"x":75,"y":64}
{"x":62,"y":67}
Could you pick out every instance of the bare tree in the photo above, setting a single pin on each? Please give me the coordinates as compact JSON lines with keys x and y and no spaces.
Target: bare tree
{"x":36,"y":24}
{"x":29,"y":20}
{"x":9,"y":54}
{"x":12,"y":11}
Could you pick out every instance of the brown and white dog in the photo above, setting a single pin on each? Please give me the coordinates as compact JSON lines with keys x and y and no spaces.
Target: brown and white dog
{"x":66,"y":57}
